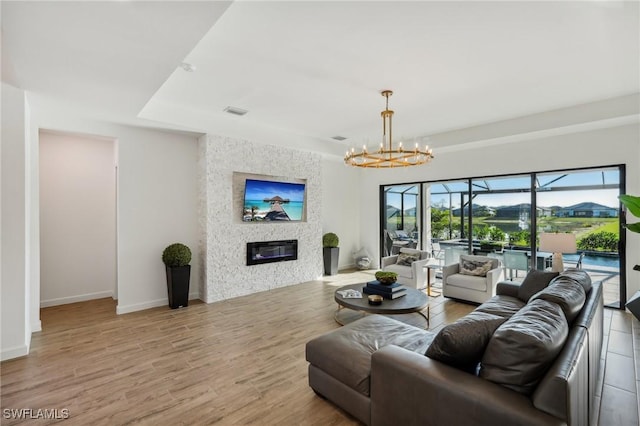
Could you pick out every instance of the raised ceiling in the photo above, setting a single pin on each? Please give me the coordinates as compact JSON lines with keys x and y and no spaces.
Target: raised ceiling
{"x":307,"y":71}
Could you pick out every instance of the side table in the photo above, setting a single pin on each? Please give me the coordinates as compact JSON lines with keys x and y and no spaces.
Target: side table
{"x":434,"y":268}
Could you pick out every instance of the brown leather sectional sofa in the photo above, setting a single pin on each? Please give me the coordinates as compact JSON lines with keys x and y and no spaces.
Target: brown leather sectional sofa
{"x":522,"y":358}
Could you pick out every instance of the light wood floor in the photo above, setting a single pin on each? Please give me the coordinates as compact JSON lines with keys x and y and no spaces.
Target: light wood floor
{"x":239,"y":361}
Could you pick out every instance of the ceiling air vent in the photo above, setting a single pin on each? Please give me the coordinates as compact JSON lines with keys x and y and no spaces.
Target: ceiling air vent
{"x":338,"y":138}
{"x":235,"y":110}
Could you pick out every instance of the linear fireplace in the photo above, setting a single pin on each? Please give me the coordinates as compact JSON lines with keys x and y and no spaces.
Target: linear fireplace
{"x":271,"y":251}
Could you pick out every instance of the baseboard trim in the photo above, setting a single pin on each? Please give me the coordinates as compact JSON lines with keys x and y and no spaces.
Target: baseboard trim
{"x":74,"y":299}
{"x":37,"y":326}
{"x":16,"y":352}
{"x":126,"y":309}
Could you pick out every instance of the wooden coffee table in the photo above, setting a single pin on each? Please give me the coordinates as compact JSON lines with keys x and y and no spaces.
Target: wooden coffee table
{"x":413,"y":302}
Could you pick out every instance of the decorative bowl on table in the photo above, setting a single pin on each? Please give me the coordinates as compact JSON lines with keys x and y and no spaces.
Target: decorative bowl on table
{"x":386,"y":277}
{"x":375,"y":299}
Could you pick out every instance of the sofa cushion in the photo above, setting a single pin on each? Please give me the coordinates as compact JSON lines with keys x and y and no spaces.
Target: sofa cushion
{"x":406,"y":259}
{"x":565,"y":292}
{"x":501,"y":305}
{"x":534,"y":282}
{"x":579,"y":276}
{"x":523,"y":348}
{"x":462,"y":343}
{"x":345,"y":353}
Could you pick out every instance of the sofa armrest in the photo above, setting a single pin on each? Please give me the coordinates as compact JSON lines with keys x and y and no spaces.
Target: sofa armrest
{"x":409,"y":388}
{"x":389,"y":260}
{"x":508,"y":288}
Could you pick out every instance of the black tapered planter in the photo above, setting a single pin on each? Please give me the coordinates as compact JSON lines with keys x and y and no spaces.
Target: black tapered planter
{"x":330,"y":255}
{"x":178,"y":285}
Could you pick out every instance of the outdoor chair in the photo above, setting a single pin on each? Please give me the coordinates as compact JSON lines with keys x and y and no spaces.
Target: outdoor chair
{"x":452,"y":254}
{"x":514,"y":260}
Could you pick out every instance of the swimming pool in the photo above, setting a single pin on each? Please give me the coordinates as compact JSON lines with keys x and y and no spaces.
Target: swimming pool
{"x":594,"y":260}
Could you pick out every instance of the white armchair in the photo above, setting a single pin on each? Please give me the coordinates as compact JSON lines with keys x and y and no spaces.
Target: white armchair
{"x":415,"y":275}
{"x":472,"y":288}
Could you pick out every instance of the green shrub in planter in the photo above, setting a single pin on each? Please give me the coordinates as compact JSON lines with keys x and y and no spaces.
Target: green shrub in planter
{"x":176,"y":258}
{"x":176,"y":255}
{"x":330,"y":253}
{"x":330,"y":240}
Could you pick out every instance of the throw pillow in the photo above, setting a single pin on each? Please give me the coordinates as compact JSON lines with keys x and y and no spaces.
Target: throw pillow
{"x":462,"y":343}
{"x":406,"y":259}
{"x":523,"y":348}
{"x":534,"y":282}
{"x":475,"y":267}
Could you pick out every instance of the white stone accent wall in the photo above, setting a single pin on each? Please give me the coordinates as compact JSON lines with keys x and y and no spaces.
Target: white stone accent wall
{"x":224,"y":164}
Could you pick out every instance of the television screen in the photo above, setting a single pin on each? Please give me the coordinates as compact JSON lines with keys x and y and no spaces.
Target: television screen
{"x":273,"y":201}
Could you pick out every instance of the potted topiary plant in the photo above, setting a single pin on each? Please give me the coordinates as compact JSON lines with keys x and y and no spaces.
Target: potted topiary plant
{"x":330,"y":253}
{"x":176,"y":258}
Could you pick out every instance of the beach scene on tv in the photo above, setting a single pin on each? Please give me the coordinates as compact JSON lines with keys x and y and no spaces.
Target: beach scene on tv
{"x":273,"y":201}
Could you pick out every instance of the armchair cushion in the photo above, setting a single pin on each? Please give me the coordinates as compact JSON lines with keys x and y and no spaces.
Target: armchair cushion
{"x":533,"y":283}
{"x":468,"y":281}
{"x":401,"y":270}
{"x":462,"y":343}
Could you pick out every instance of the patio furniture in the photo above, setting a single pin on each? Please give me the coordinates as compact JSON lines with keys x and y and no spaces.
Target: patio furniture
{"x":514,"y":260}
{"x":452,"y":254}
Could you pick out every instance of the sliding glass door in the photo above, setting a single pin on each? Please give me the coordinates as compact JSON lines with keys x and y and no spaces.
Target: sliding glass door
{"x":503,"y":216}
{"x":585,"y":204}
{"x":401,"y":209}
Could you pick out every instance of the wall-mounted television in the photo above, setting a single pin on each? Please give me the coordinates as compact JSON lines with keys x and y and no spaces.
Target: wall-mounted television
{"x":273,"y":201}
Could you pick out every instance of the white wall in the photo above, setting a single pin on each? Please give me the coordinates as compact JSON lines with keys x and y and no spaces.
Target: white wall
{"x":157,"y":203}
{"x":15,"y":249}
{"x":609,"y":146}
{"x":77,"y":218}
{"x":341,"y":207}
{"x":226,"y":236}
{"x":157,"y":206}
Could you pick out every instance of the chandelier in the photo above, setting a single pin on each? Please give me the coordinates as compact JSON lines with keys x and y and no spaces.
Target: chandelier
{"x":388,"y":156}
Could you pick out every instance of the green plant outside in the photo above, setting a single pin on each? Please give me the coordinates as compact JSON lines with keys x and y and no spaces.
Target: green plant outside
{"x":489,"y":228}
{"x":176,"y":254}
{"x":330,"y":240}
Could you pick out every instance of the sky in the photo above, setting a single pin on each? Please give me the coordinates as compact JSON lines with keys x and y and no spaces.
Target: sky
{"x":605,"y":197}
{"x":592,"y":178}
{"x":259,"y":190}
